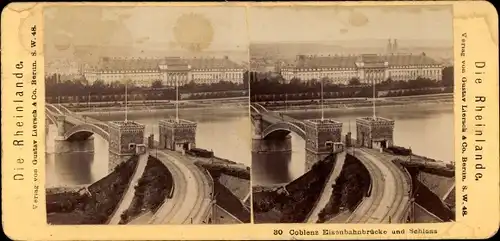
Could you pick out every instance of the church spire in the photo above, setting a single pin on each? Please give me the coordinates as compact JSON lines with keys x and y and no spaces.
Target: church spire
{"x":389,"y":46}
{"x":395,"y":46}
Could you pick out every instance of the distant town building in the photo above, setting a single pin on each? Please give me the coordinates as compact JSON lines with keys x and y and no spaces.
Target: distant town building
{"x":366,"y":67}
{"x":170,"y":70}
{"x":340,"y":69}
{"x":262,"y":64}
{"x":392,"y":48}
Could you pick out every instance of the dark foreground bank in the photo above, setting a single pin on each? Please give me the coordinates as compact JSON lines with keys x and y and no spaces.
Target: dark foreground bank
{"x":293,"y":202}
{"x":95,"y":204}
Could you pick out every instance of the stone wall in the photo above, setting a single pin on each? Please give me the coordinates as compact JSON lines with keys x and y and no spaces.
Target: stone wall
{"x":114,"y":140}
{"x":115,"y":159}
{"x":369,"y":130}
{"x":124,"y":133}
{"x":172,"y":132}
{"x":363,"y":135}
{"x":313,"y":157}
{"x":318,"y":132}
{"x":128,"y":136}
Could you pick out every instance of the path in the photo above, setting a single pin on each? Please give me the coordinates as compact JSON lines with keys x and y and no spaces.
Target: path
{"x":328,"y":188}
{"x":388,"y":198}
{"x":191,"y":200}
{"x":130,"y":192}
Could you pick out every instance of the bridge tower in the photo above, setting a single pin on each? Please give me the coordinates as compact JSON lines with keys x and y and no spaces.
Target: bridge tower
{"x":374,"y":132}
{"x":320,"y":133}
{"x":177,"y":135}
{"x":121,"y":135}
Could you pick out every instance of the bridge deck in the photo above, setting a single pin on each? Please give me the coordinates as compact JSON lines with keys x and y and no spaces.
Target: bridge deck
{"x":390,"y":193}
{"x":184,"y":207}
{"x":77,"y":123}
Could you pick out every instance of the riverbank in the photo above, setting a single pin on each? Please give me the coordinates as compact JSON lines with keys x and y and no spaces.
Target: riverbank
{"x":359,"y":104}
{"x":154,"y":106}
{"x":145,"y":112}
{"x":96,"y":204}
{"x":293,"y":202}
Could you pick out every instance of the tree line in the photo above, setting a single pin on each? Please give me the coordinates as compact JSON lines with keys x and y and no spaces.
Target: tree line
{"x":79,"y":89}
{"x":267,"y":87}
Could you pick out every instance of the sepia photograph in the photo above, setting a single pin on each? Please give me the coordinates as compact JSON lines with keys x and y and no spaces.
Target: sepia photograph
{"x":147,"y":115}
{"x":352,"y":114}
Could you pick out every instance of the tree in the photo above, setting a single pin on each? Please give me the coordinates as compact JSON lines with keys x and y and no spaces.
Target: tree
{"x":295,"y":81}
{"x":246,"y":79}
{"x":98,"y":87}
{"x":354,"y":81}
{"x":157,"y":84}
{"x":447,"y":78}
{"x":326,"y":80}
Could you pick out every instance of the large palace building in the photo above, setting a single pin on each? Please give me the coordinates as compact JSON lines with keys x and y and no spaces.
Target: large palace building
{"x":170,"y":70}
{"x":339,"y":69}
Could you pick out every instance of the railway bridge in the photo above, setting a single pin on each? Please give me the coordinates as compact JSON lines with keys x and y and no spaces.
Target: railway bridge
{"x":75,"y":133}
{"x":271,"y":133}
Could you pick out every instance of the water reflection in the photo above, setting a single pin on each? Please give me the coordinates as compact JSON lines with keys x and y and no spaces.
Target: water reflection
{"x":271,"y":168}
{"x":72,"y":168}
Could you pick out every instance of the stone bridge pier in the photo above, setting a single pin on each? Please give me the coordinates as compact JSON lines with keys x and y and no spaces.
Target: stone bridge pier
{"x":320,"y":136}
{"x":61,"y":145}
{"x":271,"y":143}
{"x":123,"y":136}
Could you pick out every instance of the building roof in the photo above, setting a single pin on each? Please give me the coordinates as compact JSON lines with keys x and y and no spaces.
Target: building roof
{"x":149,"y":64}
{"x":213,"y":63}
{"x":121,"y":64}
{"x":409,"y":60}
{"x":349,"y":61}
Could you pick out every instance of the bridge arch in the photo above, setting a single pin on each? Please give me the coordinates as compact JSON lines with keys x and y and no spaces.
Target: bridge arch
{"x":282,"y":129}
{"x":84,"y":131}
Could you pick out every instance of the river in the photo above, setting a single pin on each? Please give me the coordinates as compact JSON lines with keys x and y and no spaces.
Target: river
{"x":225,"y":131}
{"x":428,"y":130}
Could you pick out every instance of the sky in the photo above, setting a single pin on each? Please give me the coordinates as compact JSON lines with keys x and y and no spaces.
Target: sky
{"x":193,"y":30}
{"x":203,"y":28}
{"x":326,"y":24}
